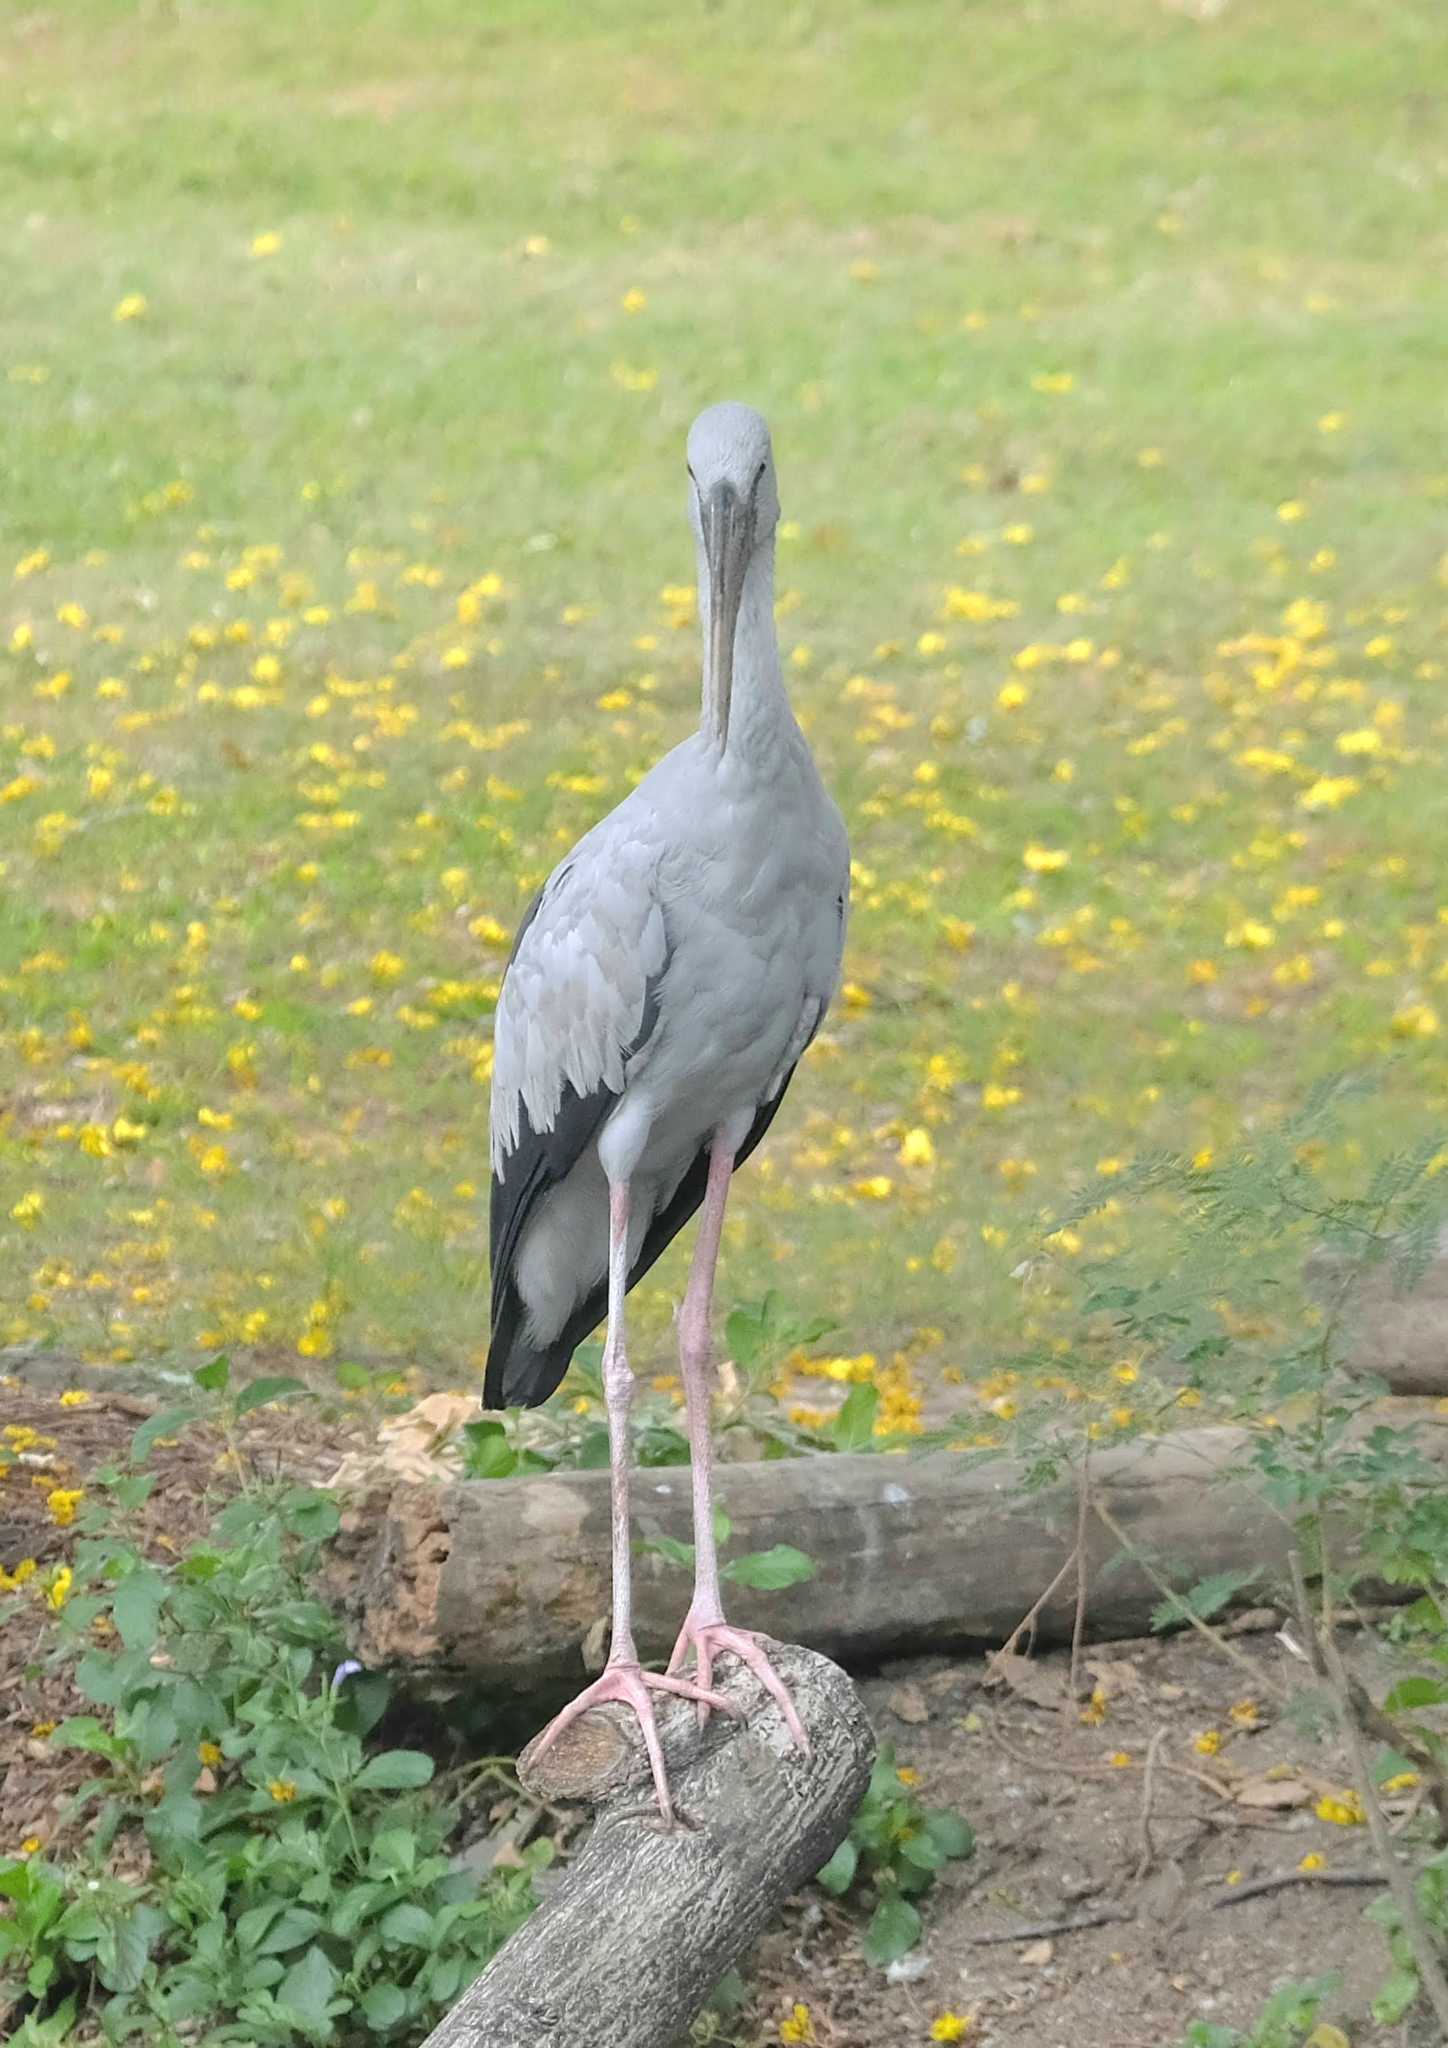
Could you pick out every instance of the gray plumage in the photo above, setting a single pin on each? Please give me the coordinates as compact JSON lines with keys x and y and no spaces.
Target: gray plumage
{"x":674,"y":966}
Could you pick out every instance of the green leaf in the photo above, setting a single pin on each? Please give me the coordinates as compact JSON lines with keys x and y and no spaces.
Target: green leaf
{"x":84,"y":1731}
{"x":1397,"y":1996}
{"x":1206,"y":1598}
{"x":392,"y":1849}
{"x":136,"y":1607}
{"x":839,"y":1873}
{"x":214,"y":1377}
{"x":396,"y":1770}
{"x":1416,"y":1692}
{"x":289,"y":1930}
{"x":769,"y":1571}
{"x":922,"y":1850}
{"x":487,"y":1453}
{"x":121,"y":1953}
{"x":307,"y":1987}
{"x":893,"y":1931}
{"x":956,"y":1837}
{"x":383,"y":2006}
{"x":167,"y":1423}
{"x":671,"y":1550}
{"x":260,"y":1393}
{"x":408,"y":1925}
{"x":854,"y":1426}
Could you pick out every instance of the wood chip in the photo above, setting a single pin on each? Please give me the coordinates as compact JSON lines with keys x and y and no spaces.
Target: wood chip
{"x":1027,"y":1679}
{"x":1038,"y":1953}
{"x":908,"y":1703}
{"x":1274,"y":1794}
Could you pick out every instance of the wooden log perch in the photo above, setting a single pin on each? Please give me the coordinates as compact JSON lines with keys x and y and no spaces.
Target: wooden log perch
{"x":645,"y":1920}
{"x":504,"y":1579}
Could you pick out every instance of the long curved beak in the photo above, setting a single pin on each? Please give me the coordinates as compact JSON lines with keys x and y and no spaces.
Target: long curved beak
{"x":726,"y":527}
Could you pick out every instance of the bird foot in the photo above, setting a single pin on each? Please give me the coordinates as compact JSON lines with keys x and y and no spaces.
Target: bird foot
{"x":630,"y":1685}
{"x":710,"y":1639}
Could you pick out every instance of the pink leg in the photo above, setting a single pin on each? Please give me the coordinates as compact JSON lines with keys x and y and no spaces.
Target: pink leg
{"x":705,"y":1630}
{"x":623,"y":1679}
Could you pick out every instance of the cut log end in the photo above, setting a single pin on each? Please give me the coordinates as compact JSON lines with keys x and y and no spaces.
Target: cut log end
{"x":647,"y":1918}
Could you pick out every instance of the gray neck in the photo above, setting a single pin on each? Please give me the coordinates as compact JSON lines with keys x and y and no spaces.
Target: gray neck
{"x":758,"y":707}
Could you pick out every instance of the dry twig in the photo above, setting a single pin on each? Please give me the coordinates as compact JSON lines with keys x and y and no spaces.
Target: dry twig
{"x":1147,"y":1854}
{"x":1040,"y":1929}
{"x":1256,"y":1886}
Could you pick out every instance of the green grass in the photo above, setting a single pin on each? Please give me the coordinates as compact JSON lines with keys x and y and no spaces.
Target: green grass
{"x":885,"y":225}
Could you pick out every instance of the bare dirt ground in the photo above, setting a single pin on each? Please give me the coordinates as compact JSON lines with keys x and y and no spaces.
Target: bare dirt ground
{"x":1140,"y":1855}
{"x":1067,"y":1837}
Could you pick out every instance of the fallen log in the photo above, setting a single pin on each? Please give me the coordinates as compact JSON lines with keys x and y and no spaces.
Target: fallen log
{"x":646,"y":1919}
{"x":505,"y":1579}
{"x":1392,"y":1332}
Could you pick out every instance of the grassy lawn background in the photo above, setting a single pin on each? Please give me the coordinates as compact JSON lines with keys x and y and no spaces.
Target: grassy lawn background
{"x":345,"y":362}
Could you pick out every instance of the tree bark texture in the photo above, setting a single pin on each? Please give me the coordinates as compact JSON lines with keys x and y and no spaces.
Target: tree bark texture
{"x":645,"y":1920}
{"x":504,"y":1579}
{"x":1398,"y":1334}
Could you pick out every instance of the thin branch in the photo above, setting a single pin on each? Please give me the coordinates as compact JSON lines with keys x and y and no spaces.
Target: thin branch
{"x":1042,"y":1928}
{"x":1399,"y":1881}
{"x":1028,"y":1620}
{"x":1367,"y":1713}
{"x":1214,"y":1636}
{"x":1147,"y":1856}
{"x":1256,"y":1886}
{"x":1078,"y":1629}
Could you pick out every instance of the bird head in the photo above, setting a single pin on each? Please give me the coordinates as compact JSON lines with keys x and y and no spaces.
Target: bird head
{"x":734,"y":507}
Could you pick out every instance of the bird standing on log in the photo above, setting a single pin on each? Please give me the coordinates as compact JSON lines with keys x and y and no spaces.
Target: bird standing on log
{"x":662,"y":988}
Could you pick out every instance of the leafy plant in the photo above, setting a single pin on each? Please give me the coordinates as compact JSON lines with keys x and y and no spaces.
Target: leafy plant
{"x":1288,"y":2020}
{"x":1245,"y":1307}
{"x":295,"y":1880}
{"x":1405,"y":1982}
{"x":894,"y":1849}
{"x":768,"y":1571}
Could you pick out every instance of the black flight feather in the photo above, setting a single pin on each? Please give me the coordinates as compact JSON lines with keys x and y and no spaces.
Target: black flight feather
{"x":520,"y":1374}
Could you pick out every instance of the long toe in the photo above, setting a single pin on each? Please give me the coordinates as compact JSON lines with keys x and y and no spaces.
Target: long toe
{"x":711,"y":1639}
{"x":630,"y":1686}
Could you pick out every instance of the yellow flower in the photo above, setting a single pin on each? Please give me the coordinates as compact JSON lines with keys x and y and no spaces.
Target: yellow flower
{"x":1121,"y":1759}
{"x":209,"y":1753}
{"x":385,"y":966}
{"x":1208,"y":1742}
{"x":949,"y":2026}
{"x":29,"y":1209}
{"x":1045,"y":860}
{"x":798,"y":2028}
{"x":1414,"y":1020}
{"x":1346,"y":1812}
{"x":266,"y":244}
{"x":31,"y":1846}
{"x":1252,"y":934}
{"x":917,"y":1148}
{"x":62,"y":1502}
{"x":131,"y":307}
{"x":1328,"y":792}
{"x":282,"y":1790}
{"x":1312,"y":1861}
{"x":1245,"y":1714}
{"x":58,"y":1591}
